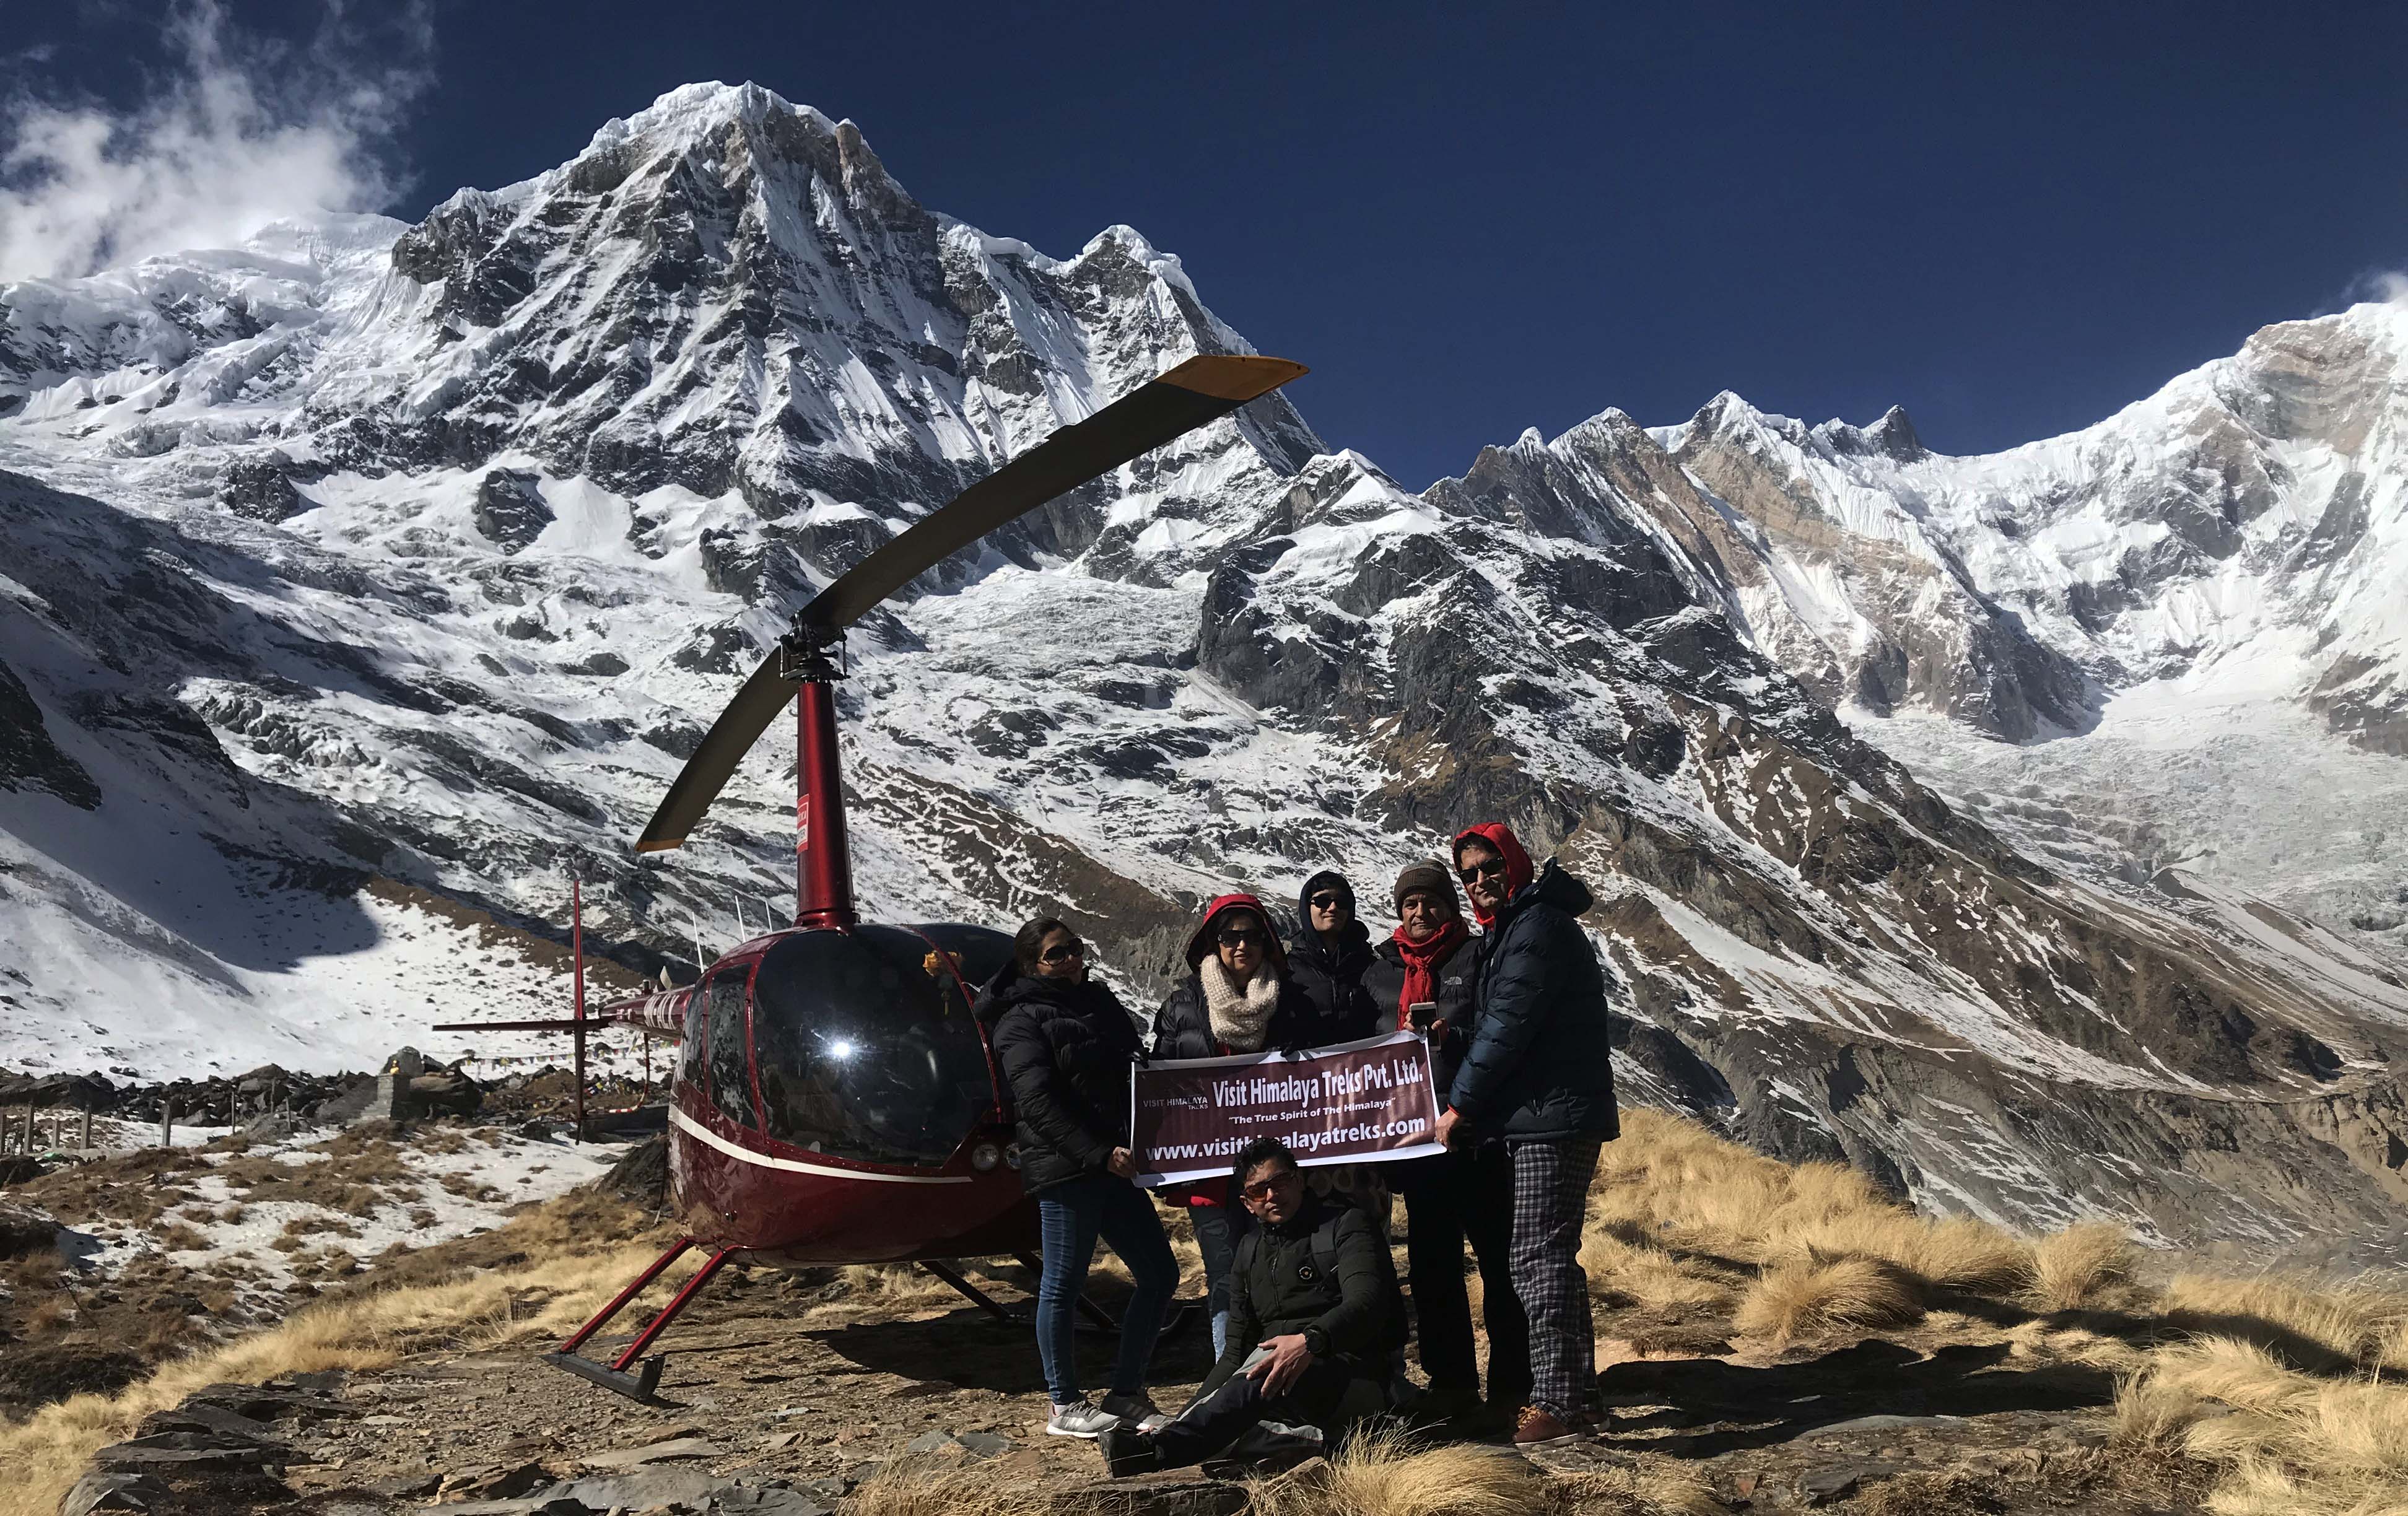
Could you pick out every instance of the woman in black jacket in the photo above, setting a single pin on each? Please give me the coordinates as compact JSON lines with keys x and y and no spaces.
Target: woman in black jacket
{"x":1237,"y":997}
{"x":1065,"y":1045}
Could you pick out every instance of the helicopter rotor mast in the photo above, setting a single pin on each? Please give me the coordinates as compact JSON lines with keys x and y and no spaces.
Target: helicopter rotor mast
{"x":808,"y":659}
{"x":822,"y":856}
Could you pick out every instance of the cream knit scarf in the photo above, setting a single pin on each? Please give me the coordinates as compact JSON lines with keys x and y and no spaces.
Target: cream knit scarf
{"x":1238,"y":1012}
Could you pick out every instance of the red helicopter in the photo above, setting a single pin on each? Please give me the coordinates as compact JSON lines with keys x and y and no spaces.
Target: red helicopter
{"x":834,"y":1100}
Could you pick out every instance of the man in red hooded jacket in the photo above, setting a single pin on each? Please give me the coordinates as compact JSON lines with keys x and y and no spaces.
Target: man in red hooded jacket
{"x":1538,"y":1075}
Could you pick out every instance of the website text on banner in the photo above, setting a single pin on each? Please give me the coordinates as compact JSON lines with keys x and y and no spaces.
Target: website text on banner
{"x":1357,"y":1103}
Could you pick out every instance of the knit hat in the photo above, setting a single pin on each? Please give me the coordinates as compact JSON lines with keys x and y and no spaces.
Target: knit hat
{"x":1431,"y":877}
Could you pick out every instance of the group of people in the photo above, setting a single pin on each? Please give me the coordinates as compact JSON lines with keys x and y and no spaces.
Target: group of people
{"x":1309,"y":1319}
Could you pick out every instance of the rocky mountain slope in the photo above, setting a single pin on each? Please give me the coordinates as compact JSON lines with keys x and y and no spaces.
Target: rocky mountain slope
{"x":369,"y":567}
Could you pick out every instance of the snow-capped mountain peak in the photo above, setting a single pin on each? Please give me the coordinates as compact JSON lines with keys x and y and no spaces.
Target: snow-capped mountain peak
{"x":392,"y":571}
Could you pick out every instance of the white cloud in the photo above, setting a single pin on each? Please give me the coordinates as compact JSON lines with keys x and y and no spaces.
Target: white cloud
{"x":242,"y":131}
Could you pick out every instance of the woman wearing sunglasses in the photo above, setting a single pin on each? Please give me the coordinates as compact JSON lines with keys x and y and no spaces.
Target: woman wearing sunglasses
{"x":1065,"y":1044}
{"x":1238,"y":998}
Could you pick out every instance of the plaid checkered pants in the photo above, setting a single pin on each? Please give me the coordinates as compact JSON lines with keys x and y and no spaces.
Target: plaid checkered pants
{"x":1550,"y":1197}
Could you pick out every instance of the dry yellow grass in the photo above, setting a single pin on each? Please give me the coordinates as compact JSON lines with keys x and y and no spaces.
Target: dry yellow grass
{"x":2083,"y":1267}
{"x":2046,"y":1338}
{"x":1682,"y":1220}
{"x":906,"y":1488}
{"x":1646,"y":1489}
{"x":1383,"y":1474}
{"x":2355,"y":1322}
{"x":2292,"y":1387}
{"x":1820,"y":1292}
{"x":2288,"y":1442}
{"x":568,"y":1272}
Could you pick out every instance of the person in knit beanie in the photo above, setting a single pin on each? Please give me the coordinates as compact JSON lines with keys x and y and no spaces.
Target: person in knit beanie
{"x":1465,"y":1194}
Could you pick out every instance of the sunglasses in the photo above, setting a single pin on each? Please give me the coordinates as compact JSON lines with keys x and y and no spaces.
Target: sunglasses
{"x":1261,"y":1189}
{"x":1061,"y":952}
{"x":1331,"y":900}
{"x":1493,"y":868}
{"x":1241,"y":937}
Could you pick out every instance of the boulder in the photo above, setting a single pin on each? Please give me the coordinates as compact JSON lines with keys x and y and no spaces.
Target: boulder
{"x":104,"y":1490}
{"x":443,"y":1095}
{"x":24,"y":1230}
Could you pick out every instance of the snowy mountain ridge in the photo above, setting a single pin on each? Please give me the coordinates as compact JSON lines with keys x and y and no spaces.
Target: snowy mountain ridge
{"x":367,"y":579}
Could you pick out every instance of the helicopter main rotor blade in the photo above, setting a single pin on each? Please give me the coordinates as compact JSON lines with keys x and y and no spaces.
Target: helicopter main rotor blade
{"x":1201,"y":390}
{"x":730,"y":737}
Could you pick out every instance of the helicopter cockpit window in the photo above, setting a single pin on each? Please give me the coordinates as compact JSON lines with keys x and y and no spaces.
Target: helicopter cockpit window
{"x":731,"y":1084}
{"x":866,"y":1052}
{"x":977,"y":951}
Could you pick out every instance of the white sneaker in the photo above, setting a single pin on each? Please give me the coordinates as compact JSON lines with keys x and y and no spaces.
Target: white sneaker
{"x":1079,"y":1419}
{"x":1137,"y":1410}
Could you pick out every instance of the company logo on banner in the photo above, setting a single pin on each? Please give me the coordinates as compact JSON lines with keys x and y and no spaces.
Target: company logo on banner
{"x":1357,"y":1103}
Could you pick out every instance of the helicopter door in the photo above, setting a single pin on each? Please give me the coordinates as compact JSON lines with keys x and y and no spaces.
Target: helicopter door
{"x":731,"y":1073}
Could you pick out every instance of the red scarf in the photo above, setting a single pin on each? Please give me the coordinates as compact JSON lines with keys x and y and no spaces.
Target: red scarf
{"x":1421,"y":966}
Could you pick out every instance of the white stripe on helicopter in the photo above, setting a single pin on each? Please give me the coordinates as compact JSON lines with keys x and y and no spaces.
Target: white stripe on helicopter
{"x":693,"y":1128}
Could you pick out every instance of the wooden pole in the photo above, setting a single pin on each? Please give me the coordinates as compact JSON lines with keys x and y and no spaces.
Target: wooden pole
{"x":166,"y":1123}
{"x":577,"y":953}
{"x":86,"y":1139}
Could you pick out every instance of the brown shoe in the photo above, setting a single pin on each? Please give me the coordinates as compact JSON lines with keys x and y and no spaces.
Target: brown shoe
{"x":1539,"y":1427}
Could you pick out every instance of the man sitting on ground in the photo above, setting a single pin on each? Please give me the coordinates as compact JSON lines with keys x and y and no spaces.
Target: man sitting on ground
{"x":1314,"y":1312}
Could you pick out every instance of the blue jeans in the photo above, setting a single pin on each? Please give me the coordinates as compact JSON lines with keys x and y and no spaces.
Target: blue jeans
{"x":1071,"y":1216}
{"x":1218,"y":1231}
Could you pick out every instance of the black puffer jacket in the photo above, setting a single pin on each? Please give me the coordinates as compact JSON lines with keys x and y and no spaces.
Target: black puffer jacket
{"x":1279,"y":1290}
{"x":1183,"y":1028}
{"x":1457,"y":974}
{"x":1331,"y":976}
{"x":1541,"y":1063}
{"x":1065,"y":1052}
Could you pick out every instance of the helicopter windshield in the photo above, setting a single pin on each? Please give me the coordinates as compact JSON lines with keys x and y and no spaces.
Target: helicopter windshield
{"x":866,"y":1046}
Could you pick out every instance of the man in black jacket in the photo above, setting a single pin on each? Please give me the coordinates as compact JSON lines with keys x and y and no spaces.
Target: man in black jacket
{"x":1313,"y":1315}
{"x":1465,"y":1194}
{"x":1540,"y":1075}
{"x":1328,"y":959}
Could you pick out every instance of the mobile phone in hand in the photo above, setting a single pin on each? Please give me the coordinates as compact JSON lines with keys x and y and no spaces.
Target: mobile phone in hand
{"x":1421,"y":1013}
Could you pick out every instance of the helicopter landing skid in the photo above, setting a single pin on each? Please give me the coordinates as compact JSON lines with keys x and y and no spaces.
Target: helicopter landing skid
{"x":1094,"y":1319}
{"x":639,"y":1385}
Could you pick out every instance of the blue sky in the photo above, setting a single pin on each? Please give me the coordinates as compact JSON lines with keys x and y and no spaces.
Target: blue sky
{"x":1468,"y":219}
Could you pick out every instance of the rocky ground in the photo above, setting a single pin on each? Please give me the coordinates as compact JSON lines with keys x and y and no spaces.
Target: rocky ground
{"x":792,"y":1393}
{"x":771,"y":1405}
{"x":119,"y":1263}
{"x":1816,"y":1346}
